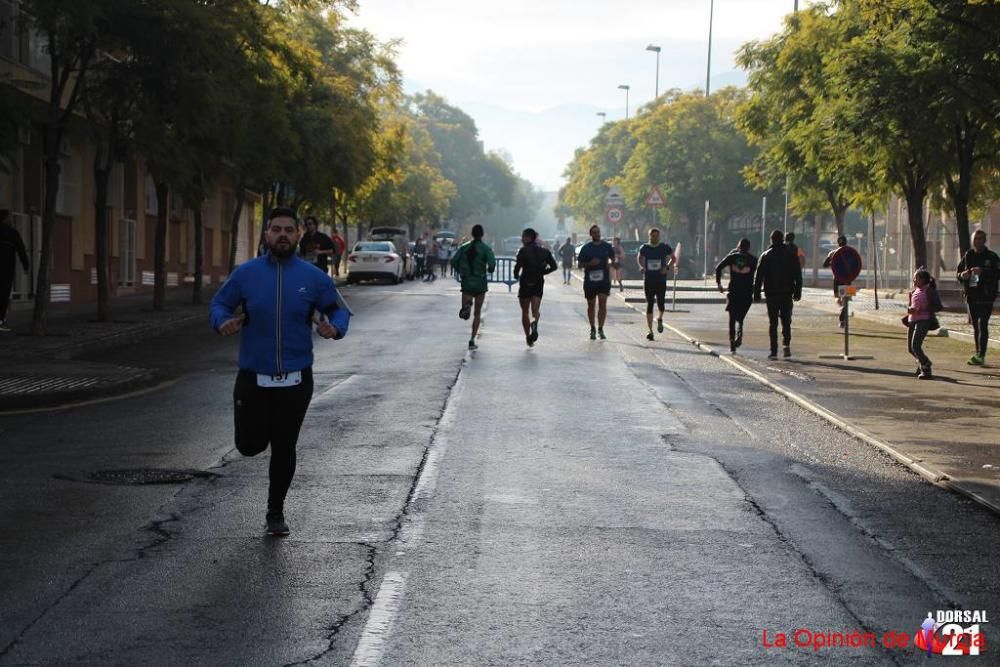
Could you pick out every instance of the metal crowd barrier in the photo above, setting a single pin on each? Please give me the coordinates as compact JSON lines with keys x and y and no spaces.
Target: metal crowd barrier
{"x":503,"y":273}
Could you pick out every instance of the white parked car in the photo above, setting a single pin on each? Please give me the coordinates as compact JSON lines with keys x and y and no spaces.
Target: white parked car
{"x":371,"y":260}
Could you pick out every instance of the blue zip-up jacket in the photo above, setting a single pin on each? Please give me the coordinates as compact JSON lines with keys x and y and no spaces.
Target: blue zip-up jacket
{"x":279,"y":297}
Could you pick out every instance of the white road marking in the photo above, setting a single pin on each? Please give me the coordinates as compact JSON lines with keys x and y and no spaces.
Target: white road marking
{"x":383,"y":613}
{"x":428,"y":476}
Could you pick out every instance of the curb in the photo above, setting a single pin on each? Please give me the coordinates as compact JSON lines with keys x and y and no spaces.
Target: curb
{"x":72,"y":350}
{"x":932,"y":475}
{"x":26,"y":403}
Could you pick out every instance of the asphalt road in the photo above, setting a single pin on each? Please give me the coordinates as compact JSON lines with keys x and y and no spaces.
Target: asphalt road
{"x":581,"y":502}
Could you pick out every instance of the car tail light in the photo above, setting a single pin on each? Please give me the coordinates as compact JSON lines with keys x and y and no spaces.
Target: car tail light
{"x":390,"y":259}
{"x":352,"y":258}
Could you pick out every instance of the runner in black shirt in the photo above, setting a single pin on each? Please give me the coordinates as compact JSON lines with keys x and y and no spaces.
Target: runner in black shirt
{"x":655,"y":259}
{"x":532,"y":263}
{"x":740,"y":294}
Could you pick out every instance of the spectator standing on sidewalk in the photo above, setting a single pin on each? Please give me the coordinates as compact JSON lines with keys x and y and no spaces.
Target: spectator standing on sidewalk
{"x":11,"y":249}
{"x":432,"y":252}
{"x":316,"y":247}
{"x":841,"y":242}
{"x":739,"y":297}
{"x":780,"y":275}
{"x":444,"y":257}
{"x":618,"y":267}
{"x":280,"y":295}
{"x":797,"y":252}
{"x":919,"y":318}
{"x":419,"y":253}
{"x":567,"y":253}
{"x":339,"y":246}
{"x":979,"y":273}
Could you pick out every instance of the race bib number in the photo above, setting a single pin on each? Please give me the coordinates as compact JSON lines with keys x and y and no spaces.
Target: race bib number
{"x":652,"y":265}
{"x":596,"y":276}
{"x":284,"y":380}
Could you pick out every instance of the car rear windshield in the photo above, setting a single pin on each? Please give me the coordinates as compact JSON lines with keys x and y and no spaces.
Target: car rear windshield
{"x":373,"y":247}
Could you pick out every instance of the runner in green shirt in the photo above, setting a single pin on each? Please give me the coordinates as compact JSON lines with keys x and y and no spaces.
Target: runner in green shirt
{"x":473,"y":260}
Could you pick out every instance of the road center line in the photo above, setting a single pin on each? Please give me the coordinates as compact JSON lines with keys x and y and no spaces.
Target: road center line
{"x":383,"y":613}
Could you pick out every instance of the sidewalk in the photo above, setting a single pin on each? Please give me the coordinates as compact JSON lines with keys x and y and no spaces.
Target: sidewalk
{"x":944,"y":429}
{"x":40,"y":372}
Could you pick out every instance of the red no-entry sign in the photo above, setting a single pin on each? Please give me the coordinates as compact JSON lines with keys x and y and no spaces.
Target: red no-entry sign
{"x":845,"y":264}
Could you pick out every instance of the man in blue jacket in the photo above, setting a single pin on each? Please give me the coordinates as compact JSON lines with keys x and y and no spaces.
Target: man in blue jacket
{"x":280,"y":295}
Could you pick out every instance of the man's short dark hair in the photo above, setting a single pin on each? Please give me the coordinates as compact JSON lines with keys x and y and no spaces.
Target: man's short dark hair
{"x":841,"y":240}
{"x":744,"y":244}
{"x":312,"y":219}
{"x":777,"y":236}
{"x":528,"y":231}
{"x":789,"y":237}
{"x":282,"y":212}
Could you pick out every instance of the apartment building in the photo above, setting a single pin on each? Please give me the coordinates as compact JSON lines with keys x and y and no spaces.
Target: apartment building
{"x":132,"y":206}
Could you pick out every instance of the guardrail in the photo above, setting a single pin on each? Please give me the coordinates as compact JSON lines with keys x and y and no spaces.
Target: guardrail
{"x":502,"y":273}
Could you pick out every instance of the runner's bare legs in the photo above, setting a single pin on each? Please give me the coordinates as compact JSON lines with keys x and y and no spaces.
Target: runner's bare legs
{"x":477,"y":312}
{"x":602,"y":310}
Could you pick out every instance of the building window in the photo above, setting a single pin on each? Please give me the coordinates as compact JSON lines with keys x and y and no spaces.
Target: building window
{"x":151,"y":205}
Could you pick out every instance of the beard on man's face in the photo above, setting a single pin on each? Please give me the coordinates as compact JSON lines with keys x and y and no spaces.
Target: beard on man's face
{"x":282,"y":247}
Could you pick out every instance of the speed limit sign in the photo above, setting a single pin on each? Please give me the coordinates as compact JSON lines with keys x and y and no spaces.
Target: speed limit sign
{"x":615,"y":215}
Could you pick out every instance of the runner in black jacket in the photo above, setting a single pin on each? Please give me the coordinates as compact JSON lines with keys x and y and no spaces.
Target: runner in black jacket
{"x":532,"y":264}
{"x":780,"y":275}
{"x":740,"y":294}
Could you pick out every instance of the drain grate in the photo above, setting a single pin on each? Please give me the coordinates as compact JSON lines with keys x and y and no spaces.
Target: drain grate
{"x":137,"y":476}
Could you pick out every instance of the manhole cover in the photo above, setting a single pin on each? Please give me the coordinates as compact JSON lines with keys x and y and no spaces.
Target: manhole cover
{"x":145,"y":476}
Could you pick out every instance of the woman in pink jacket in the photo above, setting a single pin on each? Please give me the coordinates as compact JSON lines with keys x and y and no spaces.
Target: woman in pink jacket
{"x":919,"y":320}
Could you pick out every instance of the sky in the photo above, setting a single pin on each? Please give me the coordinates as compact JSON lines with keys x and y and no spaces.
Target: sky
{"x":534,"y":74}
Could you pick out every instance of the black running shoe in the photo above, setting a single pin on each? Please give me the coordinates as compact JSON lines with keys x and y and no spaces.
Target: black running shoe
{"x":659,"y":326}
{"x":649,"y":336}
{"x":534,"y":331}
{"x":276,"y":526}
{"x":472,"y":344}
{"x":465,"y":311}
{"x":787,"y":351}
{"x":529,"y":340}
{"x":600,"y":334}
{"x":593,"y":334}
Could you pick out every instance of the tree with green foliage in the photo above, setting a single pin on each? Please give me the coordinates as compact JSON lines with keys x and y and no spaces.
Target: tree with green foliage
{"x":787,"y":115}
{"x":482,"y":180}
{"x":70,"y":31}
{"x":957,"y":52}
{"x":692,"y":151}
{"x":595,"y":168}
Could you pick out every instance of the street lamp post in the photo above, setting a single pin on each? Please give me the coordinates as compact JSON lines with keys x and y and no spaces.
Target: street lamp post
{"x":656,"y":50}
{"x":603,"y":115}
{"x":708,"y":73}
{"x":625,"y":87}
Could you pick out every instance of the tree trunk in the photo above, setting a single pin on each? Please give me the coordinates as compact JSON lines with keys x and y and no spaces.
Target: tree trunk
{"x":102,"y":174}
{"x":234,"y":226}
{"x":160,"y":247}
{"x":199,"y":258}
{"x":964,"y":147}
{"x":915,"y":217}
{"x":53,"y":137}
